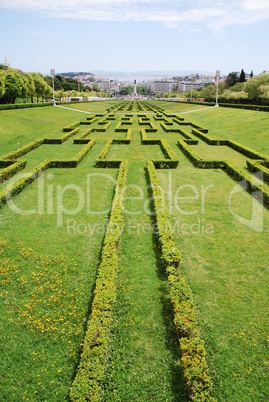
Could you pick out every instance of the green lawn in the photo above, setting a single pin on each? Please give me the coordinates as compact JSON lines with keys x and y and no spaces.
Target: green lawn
{"x":50,"y":241}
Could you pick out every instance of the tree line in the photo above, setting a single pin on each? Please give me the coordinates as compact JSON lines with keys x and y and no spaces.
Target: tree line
{"x":236,"y":89}
{"x":15,"y":84}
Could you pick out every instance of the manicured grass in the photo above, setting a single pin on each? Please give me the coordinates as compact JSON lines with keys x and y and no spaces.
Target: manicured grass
{"x":19,"y":127}
{"x":248,"y":127}
{"x":226,"y":266}
{"x":49,"y":258}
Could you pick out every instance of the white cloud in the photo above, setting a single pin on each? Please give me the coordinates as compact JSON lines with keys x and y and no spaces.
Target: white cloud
{"x":192,"y":15}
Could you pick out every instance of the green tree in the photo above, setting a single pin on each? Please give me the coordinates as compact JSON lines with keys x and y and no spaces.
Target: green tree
{"x":242,"y":77}
{"x":30,"y":85}
{"x":2,"y":82}
{"x":238,"y":87}
{"x":128,"y":90}
{"x":229,"y":94}
{"x":265,"y":91}
{"x":142,"y":90}
{"x":95,"y":88}
{"x":4,"y":67}
{"x":232,"y":79}
{"x":254,"y":86}
{"x":208,"y":91}
{"x":40,"y":85}
{"x":48,"y":92}
{"x":15,"y":86}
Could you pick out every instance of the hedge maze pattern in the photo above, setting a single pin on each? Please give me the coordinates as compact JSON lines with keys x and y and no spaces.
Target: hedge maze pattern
{"x":156,"y":128}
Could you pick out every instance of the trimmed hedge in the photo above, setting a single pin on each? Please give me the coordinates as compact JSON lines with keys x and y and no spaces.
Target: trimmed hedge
{"x":33,"y":174}
{"x":101,"y":162}
{"x":125,"y":140}
{"x":244,"y":150}
{"x":257,"y":166}
{"x":102,"y":121}
{"x":196,"y":159}
{"x":128,"y":136}
{"x":12,"y":169}
{"x":209,"y":140}
{"x":195,"y":369}
{"x":172,"y":159}
{"x":101,"y":130}
{"x":111,"y":117}
{"x":144,"y":137}
{"x":249,"y":152}
{"x":71,"y":126}
{"x":203,"y":130}
{"x":178,"y":118}
{"x":81,"y":139}
{"x":143,"y":120}
{"x":88,"y":380}
{"x":24,"y":105}
{"x":261,"y":192}
{"x":120,"y":129}
{"x":74,"y":162}
{"x":152,"y":128}
{"x":168,"y":129}
{"x":24,"y":150}
{"x":104,"y":152}
{"x":91,"y":120}
{"x":62,"y":139}
{"x":259,"y":108}
{"x":169,"y":115}
{"x":13,"y":189}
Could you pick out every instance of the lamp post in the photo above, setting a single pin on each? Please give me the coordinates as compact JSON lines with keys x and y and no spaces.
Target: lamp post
{"x":191,"y":88}
{"x":52,"y":73}
{"x":217,"y":83}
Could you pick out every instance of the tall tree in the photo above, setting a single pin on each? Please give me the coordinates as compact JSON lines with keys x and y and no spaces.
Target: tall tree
{"x":2,"y":82}
{"x":30,"y":86}
{"x":254,"y":87}
{"x":251,"y":74}
{"x":40,"y":85}
{"x":232,"y":79}
{"x":15,"y":86}
{"x":242,"y":77}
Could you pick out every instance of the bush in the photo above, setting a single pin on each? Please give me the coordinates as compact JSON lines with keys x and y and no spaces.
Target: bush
{"x":24,"y":105}
{"x":81,"y":139}
{"x":87,"y":383}
{"x":257,"y":166}
{"x":62,"y":139}
{"x":11,"y":170}
{"x":103,"y":129}
{"x":196,"y":159}
{"x":24,"y":150}
{"x":74,"y":162}
{"x":13,"y":189}
{"x":71,"y":126}
{"x":195,"y":369}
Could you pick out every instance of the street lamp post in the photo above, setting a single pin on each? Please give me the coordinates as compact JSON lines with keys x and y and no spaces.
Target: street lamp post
{"x":52,"y":73}
{"x":217,"y":83}
{"x":191,"y":88}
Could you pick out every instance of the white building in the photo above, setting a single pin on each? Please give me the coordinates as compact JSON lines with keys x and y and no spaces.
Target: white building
{"x":161,"y":86}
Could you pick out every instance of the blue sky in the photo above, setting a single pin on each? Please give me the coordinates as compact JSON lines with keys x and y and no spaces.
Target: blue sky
{"x":134,"y":35}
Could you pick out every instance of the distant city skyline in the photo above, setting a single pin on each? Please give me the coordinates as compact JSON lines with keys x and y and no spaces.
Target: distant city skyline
{"x":129,"y":36}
